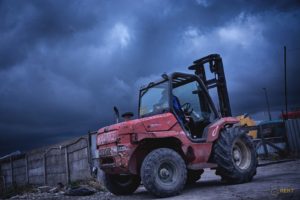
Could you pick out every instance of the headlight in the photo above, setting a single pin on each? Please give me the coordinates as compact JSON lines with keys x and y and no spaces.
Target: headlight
{"x":121,"y":148}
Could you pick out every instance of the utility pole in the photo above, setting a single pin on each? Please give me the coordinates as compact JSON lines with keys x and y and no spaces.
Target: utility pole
{"x":285,"y":83}
{"x":268,"y":104}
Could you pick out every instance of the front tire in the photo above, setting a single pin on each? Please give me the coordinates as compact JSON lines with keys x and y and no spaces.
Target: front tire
{"x":235,"y":155}
{"x":121,"y":184}
{"x":163,"y":172}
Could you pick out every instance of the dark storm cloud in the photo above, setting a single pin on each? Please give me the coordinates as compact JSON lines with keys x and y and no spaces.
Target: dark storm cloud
{"x":64,"y":64}
{"x":24,"y":24}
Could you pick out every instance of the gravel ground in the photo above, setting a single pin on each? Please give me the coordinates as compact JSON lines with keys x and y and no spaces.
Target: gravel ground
{"x":278,"y":181}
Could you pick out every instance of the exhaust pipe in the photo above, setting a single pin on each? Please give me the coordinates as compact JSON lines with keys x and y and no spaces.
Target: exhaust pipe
{"x":117,"y":115}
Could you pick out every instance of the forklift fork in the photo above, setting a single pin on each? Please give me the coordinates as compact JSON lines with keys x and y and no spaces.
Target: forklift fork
{"x":219,"y":80}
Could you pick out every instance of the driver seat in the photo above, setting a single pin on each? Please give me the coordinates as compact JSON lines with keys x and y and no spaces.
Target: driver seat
{"x":190,"y":126}
{"x":178,"y":110}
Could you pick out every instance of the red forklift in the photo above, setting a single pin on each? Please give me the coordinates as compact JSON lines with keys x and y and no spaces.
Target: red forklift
{"x":177,"y":134}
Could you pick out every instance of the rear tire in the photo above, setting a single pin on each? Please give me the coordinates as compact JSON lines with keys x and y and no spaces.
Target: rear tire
{"x":121,"y":184}
{"x":163,"y":172}
{"x":235,"y":155}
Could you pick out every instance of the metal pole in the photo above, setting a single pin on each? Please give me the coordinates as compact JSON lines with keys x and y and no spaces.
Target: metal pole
{"x":285,"y":84}
{"x":268,"y":104}
{"x":285,"y":101}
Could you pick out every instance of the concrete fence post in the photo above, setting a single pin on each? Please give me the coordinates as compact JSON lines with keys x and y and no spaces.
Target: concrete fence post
{"x":4,"y":183}
{"x":26,"y":168}
{"x":89,"y":149}
{"x":12,"y":172}
{"x":67,"y":165}
{"x":45,"y":169}
{"x":3,"y":178}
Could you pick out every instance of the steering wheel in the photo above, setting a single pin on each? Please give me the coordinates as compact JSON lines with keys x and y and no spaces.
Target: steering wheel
{"x":187,"y":108}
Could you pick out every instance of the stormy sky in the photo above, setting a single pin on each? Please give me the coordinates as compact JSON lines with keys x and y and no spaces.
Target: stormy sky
{"x":65,"y":64}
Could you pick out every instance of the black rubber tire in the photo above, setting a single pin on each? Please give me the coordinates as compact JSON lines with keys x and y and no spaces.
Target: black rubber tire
{"x":121,"y":184}
{"x":193,"y":176}
{"x":163,"y":172}
{"x":223,"y":155}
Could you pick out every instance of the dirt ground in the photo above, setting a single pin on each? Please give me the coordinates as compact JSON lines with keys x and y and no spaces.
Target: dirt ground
{"x":278,"y":181}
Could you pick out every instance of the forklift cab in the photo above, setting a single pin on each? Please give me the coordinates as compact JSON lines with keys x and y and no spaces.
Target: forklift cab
{"x":185,"y":96}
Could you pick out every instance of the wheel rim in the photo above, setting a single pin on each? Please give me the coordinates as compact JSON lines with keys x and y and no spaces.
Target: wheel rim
{"x":241,"y":155}
{"x":167,"y":173}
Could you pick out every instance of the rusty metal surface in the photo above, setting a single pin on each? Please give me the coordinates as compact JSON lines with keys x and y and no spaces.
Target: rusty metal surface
{"x":130,"y":134}
{"x":293,"y":134}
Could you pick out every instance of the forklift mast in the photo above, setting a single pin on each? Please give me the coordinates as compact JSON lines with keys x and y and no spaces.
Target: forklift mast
{"x":219,"y":80}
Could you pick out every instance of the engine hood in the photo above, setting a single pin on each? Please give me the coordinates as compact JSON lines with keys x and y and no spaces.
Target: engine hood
{"x":161,"y":122}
